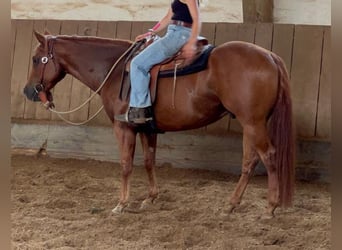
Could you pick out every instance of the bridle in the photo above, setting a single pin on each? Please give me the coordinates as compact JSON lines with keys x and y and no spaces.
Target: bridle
{"x":49,"y":46}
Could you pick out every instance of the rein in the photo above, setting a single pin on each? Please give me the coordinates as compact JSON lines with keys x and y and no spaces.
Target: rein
{"x":59,"y":113}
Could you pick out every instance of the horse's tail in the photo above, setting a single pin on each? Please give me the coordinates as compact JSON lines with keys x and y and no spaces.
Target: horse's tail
{"x":281,"y":131}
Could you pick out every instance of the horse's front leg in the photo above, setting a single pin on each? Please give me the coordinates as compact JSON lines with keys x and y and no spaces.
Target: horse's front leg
{"x":126,"y":139}
{"x":149,"y":143}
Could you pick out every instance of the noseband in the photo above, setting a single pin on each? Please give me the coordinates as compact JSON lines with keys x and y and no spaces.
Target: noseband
{"x":49,"y":45}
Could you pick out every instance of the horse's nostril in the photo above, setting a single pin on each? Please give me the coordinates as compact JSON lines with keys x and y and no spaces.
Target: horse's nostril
{"x":31,"y":94}
{"x":28,"y":92}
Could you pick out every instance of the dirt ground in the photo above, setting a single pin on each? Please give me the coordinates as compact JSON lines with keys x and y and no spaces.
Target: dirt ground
{"x":67,"y":203}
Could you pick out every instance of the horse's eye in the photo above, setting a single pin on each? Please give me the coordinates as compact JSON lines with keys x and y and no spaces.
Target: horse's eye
{"x":35,"y":60}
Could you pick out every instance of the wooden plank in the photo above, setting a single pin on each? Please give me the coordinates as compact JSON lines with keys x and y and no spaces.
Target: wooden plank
{"x":208,"y":31}
{"x":307,"y":53}
{"x":246,"y":32}
{"x":282,"y":45}
{"x":54,"y":28}
{"x":107,"y":30}
{"x":87,"y":28}
{"x":30,"y":107}
{"x":62,"y":91}
{"x":146,"y":26}
{"x":123,"y":30}
{"x":79,"y":92}
{"x":323,"y":128}
{"x":137,"y":29}
{"x":20,"y":63}
{"x":264,"y":35}
{"x":219,"y":127}
{"x":226,"y":32}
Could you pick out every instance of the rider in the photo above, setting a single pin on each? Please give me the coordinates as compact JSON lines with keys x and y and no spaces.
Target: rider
{"x":183,"y":27}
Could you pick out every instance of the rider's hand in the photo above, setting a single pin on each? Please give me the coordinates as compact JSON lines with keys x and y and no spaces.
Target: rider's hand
{"x":189,"y":50}
{"x":142,"y":36}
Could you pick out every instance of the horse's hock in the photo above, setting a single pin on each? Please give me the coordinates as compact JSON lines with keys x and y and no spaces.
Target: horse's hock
{"x":304,"y":48}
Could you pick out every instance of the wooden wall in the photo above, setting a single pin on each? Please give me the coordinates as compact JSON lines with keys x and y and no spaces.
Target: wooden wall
{"x":305,"y":49}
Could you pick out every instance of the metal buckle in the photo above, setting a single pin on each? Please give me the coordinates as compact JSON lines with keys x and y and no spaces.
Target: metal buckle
{"x":44,"y":59}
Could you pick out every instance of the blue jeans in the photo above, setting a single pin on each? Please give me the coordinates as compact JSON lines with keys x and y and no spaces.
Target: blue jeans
{"x":157,"y":52}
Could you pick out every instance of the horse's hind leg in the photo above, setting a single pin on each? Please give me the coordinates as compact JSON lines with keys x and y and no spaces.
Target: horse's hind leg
{"x":249,"y":161}
{"x":266,"y":152}
{"x":149,"y":143}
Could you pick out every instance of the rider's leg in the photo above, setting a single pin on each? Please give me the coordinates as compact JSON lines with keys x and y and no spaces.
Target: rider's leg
{"x":140,"y":101}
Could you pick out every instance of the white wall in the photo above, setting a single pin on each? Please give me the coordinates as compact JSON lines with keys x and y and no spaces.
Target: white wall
{"x":285,"y":11}
{"x":303,"y":11}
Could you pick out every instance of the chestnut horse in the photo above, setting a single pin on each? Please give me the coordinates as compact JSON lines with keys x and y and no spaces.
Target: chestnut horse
{"x":241,"y":78}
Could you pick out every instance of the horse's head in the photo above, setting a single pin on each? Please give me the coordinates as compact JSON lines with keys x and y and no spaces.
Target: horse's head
{"x":46,"y":70}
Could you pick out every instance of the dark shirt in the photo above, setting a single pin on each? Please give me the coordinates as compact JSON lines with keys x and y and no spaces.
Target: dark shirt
{"x":180,"y":12}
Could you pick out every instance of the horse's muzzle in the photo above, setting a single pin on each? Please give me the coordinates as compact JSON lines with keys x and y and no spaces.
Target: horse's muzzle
{"x":31,"y":94}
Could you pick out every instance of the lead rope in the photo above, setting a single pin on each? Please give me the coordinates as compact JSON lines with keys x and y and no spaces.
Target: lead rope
{"x":59,"y":113}
{"x":79,"y":123}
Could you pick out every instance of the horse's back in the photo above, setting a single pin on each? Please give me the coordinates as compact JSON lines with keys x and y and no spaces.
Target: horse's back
{"x":245,"y":52}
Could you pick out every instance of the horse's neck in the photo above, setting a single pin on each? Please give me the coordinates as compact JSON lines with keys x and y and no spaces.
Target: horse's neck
{"x":89,"y":61}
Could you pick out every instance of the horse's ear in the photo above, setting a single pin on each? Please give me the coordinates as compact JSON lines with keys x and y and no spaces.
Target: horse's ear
{"x":39,"y":37}
{"x":46,"y":32}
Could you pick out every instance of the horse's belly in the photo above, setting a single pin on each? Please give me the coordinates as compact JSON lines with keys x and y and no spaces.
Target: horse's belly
{"x":176,"y":119}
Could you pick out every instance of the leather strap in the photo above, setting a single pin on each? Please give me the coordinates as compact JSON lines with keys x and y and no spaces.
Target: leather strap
{"x":181,"y":23}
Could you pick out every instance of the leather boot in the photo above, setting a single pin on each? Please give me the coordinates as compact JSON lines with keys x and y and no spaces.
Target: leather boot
{"x":136,"y":115}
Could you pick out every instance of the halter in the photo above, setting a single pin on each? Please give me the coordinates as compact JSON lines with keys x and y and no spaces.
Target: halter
{"x":50,"y":40}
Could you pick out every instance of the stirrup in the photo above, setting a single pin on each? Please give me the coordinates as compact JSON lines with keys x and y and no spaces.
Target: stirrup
{"x":131,"y":116}
{"x":122,"y":117}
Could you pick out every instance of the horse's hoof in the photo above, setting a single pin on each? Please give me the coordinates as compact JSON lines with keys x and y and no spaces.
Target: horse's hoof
{"x":119,"y":209}
{"x":146,"y":204}
{"x":231,"y":209}
{"x":266,"y":216}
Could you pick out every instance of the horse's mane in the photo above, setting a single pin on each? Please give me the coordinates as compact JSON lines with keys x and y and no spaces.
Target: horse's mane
{"x":95,"y":39}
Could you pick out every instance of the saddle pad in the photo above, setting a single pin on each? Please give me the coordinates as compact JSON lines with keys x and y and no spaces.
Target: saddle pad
{"x":199,"y":64}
